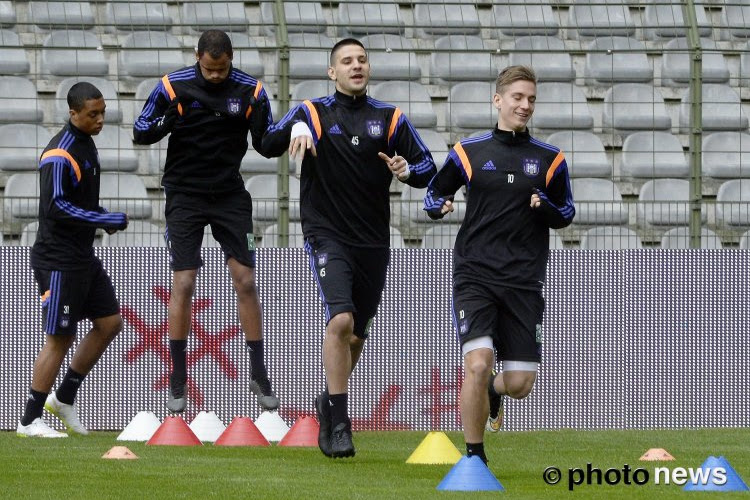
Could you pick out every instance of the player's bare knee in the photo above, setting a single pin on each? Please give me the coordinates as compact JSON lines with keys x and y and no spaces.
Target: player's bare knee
{"x":245,"y":285}
{"x":519,"y":388}
{"x":477,"y":368}
{"x":341,"y":325}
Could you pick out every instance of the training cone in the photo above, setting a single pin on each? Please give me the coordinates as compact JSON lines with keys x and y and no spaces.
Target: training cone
{"x":141,"y":428}
{"x":435,"y":448}
{"x":207,"y":426}
{"x":304,"y":432}
{"x":656,"y":455}
{"x":174,"y":432}
{"x":271,"y":425}
{"x":242,"y":432}
{"x":120,"y":453}
{"x":470,"y":474}
{"x":729,"y":481}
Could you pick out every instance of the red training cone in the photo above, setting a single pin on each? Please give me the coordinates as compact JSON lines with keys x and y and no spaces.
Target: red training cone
{"x":242,"y":432}
{"x":304,"y":432}
{"x":174,"y":432}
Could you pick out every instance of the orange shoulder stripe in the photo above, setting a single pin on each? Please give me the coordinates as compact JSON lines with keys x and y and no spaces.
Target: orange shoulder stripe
{"x":258,"y":88}
{"x":394,"y":122}
{"x":46,"y":295}
{"x":172,"y":94}
{"x":67,"y":156}
{"x":314,"y":117}
{"x":553,"y":167}
{"x":464,"y":159}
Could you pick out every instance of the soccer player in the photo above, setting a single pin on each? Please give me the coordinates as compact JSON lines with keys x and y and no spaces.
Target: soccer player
{"x":208,"y":108}
{"x":351,"y":146}
{"x":517,"y":189}
{"x":71,"y":280}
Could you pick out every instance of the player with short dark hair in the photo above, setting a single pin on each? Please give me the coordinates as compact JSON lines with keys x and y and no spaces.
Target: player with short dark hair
{"x":517,"y":188}
{"x":208,"y":109}
{"x":72,"y":283}
{"x":352,"y":145}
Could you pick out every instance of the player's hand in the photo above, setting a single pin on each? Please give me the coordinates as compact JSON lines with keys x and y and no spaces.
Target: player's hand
{"x":536,"y":201}
{"x":299,"y":146}
{"x":397,"y":165}
{"x":170,"y":115}
{"x":121,"y":228}
{"x":447,"y":207}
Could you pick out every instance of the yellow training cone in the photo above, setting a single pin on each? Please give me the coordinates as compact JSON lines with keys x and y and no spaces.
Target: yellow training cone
{"x":656,"y":455}
{"x":435,"y":448}
{"x":120,"y":453}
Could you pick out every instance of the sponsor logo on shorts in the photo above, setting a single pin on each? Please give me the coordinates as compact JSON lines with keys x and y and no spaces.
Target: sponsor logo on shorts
{"x":463,"y":327}
{"x":251,"y":242}
{"x":322,"y":259}
{"x":539,"y":333}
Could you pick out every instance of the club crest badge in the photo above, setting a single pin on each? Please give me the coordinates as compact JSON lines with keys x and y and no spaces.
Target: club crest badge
{"x":531,"y":167}
{"x":234,"y":106}
{"x":375,"y":128}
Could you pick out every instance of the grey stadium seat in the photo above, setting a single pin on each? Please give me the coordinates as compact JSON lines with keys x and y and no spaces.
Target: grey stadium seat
{"x":662,"y":20}
{"x":436,"y":144}
{"x":69,"y":52}
{"x":470,"y":105}
{"x":735,"y":19}
{"x":726,"y":112}
{"x":21,"y":197}
{"x":113,"y":114}
{"x":679,"y":238}
{"x":610,"y":238}
{"x":7,"y":14}
{"x":664,"y":202}
{"x":726,"y":154}
{"x":397,"y":240}
{"x":368,"y":18}
{"x":449,"y":18}
{"x":125,"y":193}
{"x":139,"y":233}
{"x":745,"y":65}
{"x":14,"y":59}
{"x":150,"y":53}
{"x":18,"y":101}
{"x":408,"y":212}
{"x":561,"y":106}
{"x":309,"y":55}
{"x":246,"y":55}
{"x":28,"y":234}
{"x":271,"y":236}
{"x":733,"y":203}
{"x":255,"y":163}
{"x":555,"y":241}
{"x":225,"y":16}
{"x":441,"y":236}
{"x":675,"y":63}
{"x":630,"y":107}
{"x":263,"y":190}
{"x":596,"y":18}
{"x":617,"y":60}
{"x":514,"y":18}
{"x":138,"y":16}
{"x":61,"y":15}
{"x":300,"y":17}
{"x":547,"y":55}
{"x":392,"y":56}
{"x":116,"y":153}
{"x":598,"y":201}
{"x":584,"y":153}
{"x":462,"y":57}
{"x":745,"y":241}
{"x":411,"y":97}
{"x":653,"y":154}
{"x":310,"y":89}
{"x":21,"y":145}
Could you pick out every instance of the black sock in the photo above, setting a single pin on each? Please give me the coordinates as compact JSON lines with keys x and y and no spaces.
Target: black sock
{"x":34,"y":406}
{"x":339,"y":410}
{"x":179,"y":356}
{"x":68,"y":389}
{"x":257,"y":367}
{"x":476,"y":449}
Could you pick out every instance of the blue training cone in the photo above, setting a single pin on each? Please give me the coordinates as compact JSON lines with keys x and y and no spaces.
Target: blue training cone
{"x":470,"y":474}
{"x":708,"y":480}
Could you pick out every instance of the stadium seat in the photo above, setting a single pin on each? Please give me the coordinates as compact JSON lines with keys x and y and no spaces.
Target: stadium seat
{"x":446,"y":18}
{"x":436,"y":144}
{"x":61,"y":15}
{"x":150,"y":54}
{"x":263,"y":190}
{"x":309,"y":55}
{"x":138,"y":16}
{"x":617,"y":60}
{"x":311,"y":89}
{"x":21,"y":197}
{"x":411,"y":97}
{"x":735,"y":20}
{"x":584,"y":153}
{"x":722,"y":109}
{"x":561,"y":106}
{"x":675,"y":63}
{"x":598,"y":201}
{"x":665,"y":202}
{"x":208,"y":239}
{"x":599,"y":18}
{"x":744,"y":74}
{"x":514,"y":18}
{"x":653,"y":154}
{"x":610,"y":238}
{"x":225,"y":16}
{"x":441,"y":236}
{"x":368,"y":18}
{"x":397,"y":240}
{"x":69,"y":52}
{"x":7,"y":14}
{"x":139,"y":233}
{"x":745,"y":241}
{"x":21,"y":145}
{"x":299,"y":16}
{"x":124,"y":193}
{"x":630,"y":107}
{"x":18,"y":101}
{"x":392,"y":56}
{"x":679,"y":238}
{"x":662,"y":20}
{"x":255,"y":163}
{"x":116,"y":153}
{"x":113,"y":114}
{"x":271,"y":236}
{"x":555,"y":241}
{"x":28,"y":234}
{"x":470,"y":105}
{"x":733,"y":203}
{"x":547,"y":55}
{"x":13,"y":60}
{"x":726,"y":155}
{"x":246,"y":55}
{"x":462,"y":57}
{"x":408,"y":213}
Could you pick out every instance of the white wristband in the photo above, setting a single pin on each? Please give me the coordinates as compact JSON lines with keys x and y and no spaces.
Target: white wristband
{"x":299,"y":129}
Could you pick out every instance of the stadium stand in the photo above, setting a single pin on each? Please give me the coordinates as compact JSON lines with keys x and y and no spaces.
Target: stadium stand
{"x":227,"y":16}
{"x":723,"y":106}
{"x":271,"y":236}
{"x":436,"y":144}
{"x":246,"y":55}
{"x":300,"y":17}
{"x":599,"y":19}
{"x":358,"y":18}
{"x":726,"y":154}
{"x":662,"y":20}
{"x":598,"y":202}
{"x":513,"y":18}
{"x":310,"y":89}
{"x":559,"y":106}
{"x":139,"y":233}
{"x":609,"y":60}
{"x":14,"y":60}
{"x":61,"y":15}
{"x":308,"y":55}
{"x":610,"y":238}
{"x":745,"y":241}
{"x":679,"y":237}
{"x":21,"y":197}
{"x":70,"y":52}
{"x":446,"y":18}
{"x":113,"y":114}
{"x":462,"y":57}
{"x":584,"y":153}
{"x":7,"y":14}
{"x":547,"y":55}
{"x":470,"y":105}
{"x":441,"y":236}
{"x":630,"y":107}
{"x":116,"y":152}
{"x":264,"y":191}
{"x":120,"y":192}
{"x":653,"y":154}
{"x":28,"y":234}
{"x":735,"y":20}
{"x":138,"y":16}
{"x":675,"y":64}
{"x":411,"y":97}
{"x":392,"y":56}
{"x":733,"y":203}
{"x":18,"y":101}
{"x":664,"y":202}
{"x":150,"y":54}
{"x":21,"y":145}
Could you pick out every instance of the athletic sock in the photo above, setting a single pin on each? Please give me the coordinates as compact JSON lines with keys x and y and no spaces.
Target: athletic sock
{"x":257,"y":367}
{"x":495,"y":398}
{"x":68,"y":389}
{"x":179,"y":356}
{"x":476,"y":449}
{"x":34,"y":406}
{"x":339,"y":411}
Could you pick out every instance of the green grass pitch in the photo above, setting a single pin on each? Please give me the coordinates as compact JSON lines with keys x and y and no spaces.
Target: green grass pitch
{"x":73,"y":468}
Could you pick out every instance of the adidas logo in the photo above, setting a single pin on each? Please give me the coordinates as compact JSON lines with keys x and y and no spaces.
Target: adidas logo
{"x":335,"y":130}
{"x":489,"y":166}
{"x":195,"y":104}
